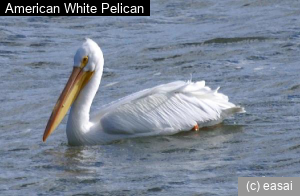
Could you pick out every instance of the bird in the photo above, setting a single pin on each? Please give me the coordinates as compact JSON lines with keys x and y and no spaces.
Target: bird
{"x":165,"y":109}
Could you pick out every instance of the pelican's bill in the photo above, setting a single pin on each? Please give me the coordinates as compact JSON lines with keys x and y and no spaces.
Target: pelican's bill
{"x":78,"y":79}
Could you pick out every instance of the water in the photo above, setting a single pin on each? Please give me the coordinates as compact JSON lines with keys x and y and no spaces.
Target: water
{"x":249,"y":48}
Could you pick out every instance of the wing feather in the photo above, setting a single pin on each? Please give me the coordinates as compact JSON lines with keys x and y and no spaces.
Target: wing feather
{"x":166,"y":109}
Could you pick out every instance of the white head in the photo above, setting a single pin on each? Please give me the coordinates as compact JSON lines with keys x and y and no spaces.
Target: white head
{"x":90,"y":52}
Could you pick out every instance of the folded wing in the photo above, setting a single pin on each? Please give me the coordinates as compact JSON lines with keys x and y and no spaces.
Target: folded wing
{"x":166,"y":109}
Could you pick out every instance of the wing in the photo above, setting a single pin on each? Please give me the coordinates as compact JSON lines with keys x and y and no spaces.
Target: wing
{"x":166,"y":109}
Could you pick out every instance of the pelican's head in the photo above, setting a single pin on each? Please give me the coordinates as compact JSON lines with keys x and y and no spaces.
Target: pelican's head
{"x":88,"y":60}
{"x":89,"y":56}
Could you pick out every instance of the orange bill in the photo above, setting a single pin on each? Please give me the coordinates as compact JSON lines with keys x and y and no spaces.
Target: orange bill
{"x":75,"y":84}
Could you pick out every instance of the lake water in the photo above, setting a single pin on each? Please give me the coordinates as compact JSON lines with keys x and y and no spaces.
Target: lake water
{"x":249,"y":48}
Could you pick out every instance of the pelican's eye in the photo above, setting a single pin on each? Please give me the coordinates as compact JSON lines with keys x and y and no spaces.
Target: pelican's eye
{"x":84,"y":61}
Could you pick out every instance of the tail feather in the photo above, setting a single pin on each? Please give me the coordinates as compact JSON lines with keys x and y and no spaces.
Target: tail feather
{"x":228,"y":112}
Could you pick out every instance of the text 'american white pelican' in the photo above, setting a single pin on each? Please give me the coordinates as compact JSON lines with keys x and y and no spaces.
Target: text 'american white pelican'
{"x":162,"y":110}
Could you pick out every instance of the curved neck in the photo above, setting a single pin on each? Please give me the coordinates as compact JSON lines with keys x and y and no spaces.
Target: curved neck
{"x":79,"y":117}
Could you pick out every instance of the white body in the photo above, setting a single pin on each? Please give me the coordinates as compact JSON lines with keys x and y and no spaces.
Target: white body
{"x":163,"y":110}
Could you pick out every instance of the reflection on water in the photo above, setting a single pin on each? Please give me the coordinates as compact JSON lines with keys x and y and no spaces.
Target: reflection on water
{"x":251,"y":50}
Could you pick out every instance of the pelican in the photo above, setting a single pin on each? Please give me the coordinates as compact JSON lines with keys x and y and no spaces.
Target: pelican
{"x":162,"y":110}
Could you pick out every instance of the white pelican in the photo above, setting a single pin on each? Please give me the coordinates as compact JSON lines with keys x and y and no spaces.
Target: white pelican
{"x":162,"y":110}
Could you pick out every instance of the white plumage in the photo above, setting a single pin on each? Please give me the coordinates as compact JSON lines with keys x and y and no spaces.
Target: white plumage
{"x":162,"y":110}
{"x":166,"y":109}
